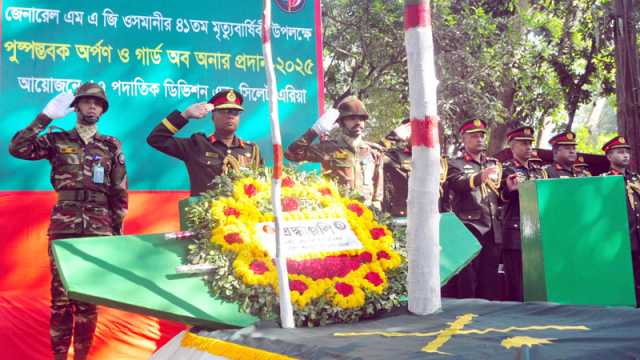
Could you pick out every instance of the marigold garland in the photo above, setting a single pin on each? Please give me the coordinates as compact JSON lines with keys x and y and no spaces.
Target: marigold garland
{"x":326,"y":286}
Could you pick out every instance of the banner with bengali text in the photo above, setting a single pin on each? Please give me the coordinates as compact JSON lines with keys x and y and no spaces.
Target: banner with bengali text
{"x":151,"y":58}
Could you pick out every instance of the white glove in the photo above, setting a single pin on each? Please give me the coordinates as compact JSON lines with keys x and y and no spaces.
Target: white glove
{"x":403,"y":131}
{"x":59,"y":106}
{"x":326,"y":122}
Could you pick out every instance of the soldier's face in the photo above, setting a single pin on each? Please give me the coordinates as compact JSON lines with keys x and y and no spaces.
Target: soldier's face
{"x":226,"y":120}
{"x":474,"y":142}
{"x":354,"y":125}
{"x":619,"y":157}
{"x":89,"y":110}
{"x":521,"y":149}
{"x":566,"y":154}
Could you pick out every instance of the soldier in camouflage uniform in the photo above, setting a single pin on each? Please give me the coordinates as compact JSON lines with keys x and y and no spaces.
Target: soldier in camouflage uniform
{"x":88,"y":173}
{"x":345,"y":157}
{"x":619,"y":156}
{"x":515,"y":171}
{"x":207,"y":157}
{"x":397,"y":167}
{"x":563,"y":146}
{"x":474,"y":182}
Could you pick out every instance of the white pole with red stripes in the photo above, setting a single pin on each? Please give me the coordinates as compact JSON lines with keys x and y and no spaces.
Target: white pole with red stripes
{"x":286,"y":308}
{"x":423,"y":217}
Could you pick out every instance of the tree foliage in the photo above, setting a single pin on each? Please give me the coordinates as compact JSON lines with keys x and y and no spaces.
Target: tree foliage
{"x":510,"y":62}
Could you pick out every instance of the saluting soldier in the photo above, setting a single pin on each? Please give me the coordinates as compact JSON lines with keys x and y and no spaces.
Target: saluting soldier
{"x":397,"y":167}
{"x":581,"y":168}
{"x":516,"y":171}
{"x":563,"y":146}
{"x":474,"y":183}
{"x":207,"y":157}
{"x":344,"y":155}
{"x":89,"y":175}
{"x":619,"y":156}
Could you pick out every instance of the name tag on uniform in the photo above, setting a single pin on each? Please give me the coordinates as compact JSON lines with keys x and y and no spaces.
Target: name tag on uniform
{"x":211,"y":154}
{"x":69,"y":150}
{"x":98,"y":174}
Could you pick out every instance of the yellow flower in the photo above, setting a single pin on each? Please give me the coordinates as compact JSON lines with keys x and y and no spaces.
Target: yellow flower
{"x":235,"y":231}
{"x":254,"y":270}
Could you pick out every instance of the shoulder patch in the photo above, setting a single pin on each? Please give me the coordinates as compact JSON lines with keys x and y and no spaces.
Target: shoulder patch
{"x":121,"y":158}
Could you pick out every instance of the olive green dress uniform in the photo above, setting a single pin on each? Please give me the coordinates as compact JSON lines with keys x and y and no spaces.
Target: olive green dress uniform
{"x":397,"y":167}
{"x":556,"y":170}
{"x":581,"y":168}
{"x":476,"y":204}
{"x":91,"y":183}
{"x":205,"y":157}
{"x":632,"y":185}
{"x":511,"y":243}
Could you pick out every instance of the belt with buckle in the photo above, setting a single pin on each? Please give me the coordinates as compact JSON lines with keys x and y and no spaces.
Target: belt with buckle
{"x":82,"y":195}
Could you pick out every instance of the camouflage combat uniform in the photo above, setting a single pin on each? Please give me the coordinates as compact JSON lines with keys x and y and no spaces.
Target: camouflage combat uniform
{"x":88,"y":205}
{"x":356,"y":166}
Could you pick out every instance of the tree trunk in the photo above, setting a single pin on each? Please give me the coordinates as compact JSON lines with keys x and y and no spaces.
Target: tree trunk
{"x":627,"y":76}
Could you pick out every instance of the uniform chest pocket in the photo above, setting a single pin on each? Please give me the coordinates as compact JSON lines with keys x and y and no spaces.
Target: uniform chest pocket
{"x":244,"y":159}
{"x":68,"y":155}
{"x":342,"y":159}
{"x":210,"y":159}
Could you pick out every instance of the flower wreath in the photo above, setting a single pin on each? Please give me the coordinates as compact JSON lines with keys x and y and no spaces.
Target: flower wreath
{"x":326,"y":287}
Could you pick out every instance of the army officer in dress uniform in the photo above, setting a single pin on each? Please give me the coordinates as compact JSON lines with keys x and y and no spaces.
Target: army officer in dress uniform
{"x":619,"y":156}
{"x":563,"y":146}
{"x":207,"y":157}
{"x":516,"y":171}
{"x":474,"y":182}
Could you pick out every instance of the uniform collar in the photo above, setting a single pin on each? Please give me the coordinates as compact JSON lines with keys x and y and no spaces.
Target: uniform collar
{"x":236,"y":142}
{"x":560,"y":167}
{"x":469,"y":157}
{"x":615,"y":172}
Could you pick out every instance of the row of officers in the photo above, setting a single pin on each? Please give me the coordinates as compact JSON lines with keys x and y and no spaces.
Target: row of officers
{"x":88,"y":173}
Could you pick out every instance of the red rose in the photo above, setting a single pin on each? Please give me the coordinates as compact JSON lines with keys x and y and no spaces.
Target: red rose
{"x":344,"y":289}
{"x":250,"y":190}
{"x":377,"y":233}
{"x":230,"y":211}
{"x":383,"y":255}
{"x":290,"y":204}
{"x":233,"y":238}
{"x":366,"y":257}
{"x":356,"y":209}
{"x":325,"y":191}
{"x":288,"y":182}
{"x":258,"y":267}
{"x":298,"y":285}
{"x":374,"y":278}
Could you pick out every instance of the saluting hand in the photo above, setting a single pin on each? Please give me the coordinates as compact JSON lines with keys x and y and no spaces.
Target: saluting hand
{"x":59,"y":106}
{"x":403,"y":132}
{"x":197,"y":111}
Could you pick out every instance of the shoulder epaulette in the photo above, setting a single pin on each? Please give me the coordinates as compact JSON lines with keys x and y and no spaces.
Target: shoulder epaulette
{"x":53,"y":128}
